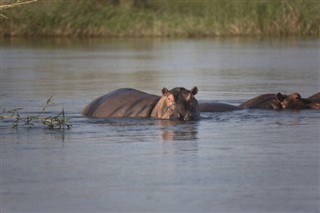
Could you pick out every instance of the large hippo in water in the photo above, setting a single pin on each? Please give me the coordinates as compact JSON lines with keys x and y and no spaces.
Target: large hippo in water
{"x":281,"y":101}
{"x":177,"y":104}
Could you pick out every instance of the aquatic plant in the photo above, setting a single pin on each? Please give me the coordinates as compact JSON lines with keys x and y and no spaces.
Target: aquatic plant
{"x":52,"y":122}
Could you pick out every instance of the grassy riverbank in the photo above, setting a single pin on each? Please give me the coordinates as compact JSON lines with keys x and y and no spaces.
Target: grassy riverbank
{"x":163,"y":18}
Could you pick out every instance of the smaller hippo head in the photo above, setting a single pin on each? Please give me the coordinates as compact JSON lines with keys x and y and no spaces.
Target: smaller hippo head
{"x":293,"y":101}
{"x":177,"y":104}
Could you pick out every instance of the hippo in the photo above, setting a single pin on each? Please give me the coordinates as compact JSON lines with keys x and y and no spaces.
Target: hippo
{"x":279,"y":101}
{"x":176,"y":104}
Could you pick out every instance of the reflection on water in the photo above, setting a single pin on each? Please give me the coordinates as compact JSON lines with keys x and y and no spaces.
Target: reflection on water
{"x":241,"y":161}
{"x":172,"y":130}
{"x":137,"y":127}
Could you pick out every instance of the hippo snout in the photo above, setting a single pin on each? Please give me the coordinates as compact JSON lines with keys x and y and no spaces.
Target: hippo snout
{"x":177,"y":116}
{"x":188,"y":117}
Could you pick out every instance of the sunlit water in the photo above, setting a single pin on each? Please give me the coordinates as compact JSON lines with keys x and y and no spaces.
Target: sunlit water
{"x":241,"y":161}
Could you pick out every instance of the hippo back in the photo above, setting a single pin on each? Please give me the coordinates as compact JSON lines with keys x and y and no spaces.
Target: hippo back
{"x":124,"y":102}
{"x":315,"y":98}
{"x":315,"y":101}
{"x":216,"y":107}
{"x":265,"y":101}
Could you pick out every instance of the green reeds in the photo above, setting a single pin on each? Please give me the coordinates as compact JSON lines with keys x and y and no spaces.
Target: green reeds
{"x":52,"y":122}
{"x":163,"y":18}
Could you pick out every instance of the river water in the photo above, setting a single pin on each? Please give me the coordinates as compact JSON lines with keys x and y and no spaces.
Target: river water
{"x":241,"y":161}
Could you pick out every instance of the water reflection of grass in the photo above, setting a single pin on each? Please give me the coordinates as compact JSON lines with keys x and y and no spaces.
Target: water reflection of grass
{"x":163,"y":18}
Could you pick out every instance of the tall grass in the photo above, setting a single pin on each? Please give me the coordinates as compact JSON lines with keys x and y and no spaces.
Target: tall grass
{"x":163,"y":18}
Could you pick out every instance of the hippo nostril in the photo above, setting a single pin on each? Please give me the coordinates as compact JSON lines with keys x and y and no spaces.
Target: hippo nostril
{"x":175,"y":116}
{"x":187,"y":117}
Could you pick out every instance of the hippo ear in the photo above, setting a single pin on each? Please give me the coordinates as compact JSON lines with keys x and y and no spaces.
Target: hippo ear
{"x":164,"y":91}
{"x":280,"y":97}
{"x":297,"y":96}
{"x":194,"y":90}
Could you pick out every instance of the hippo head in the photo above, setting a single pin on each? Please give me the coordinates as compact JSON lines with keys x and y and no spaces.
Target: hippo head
{"x":293,"y":101}
{"x":177,"y":104}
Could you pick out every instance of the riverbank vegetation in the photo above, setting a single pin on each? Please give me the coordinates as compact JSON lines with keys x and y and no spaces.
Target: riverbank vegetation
{"x":162,"y":18}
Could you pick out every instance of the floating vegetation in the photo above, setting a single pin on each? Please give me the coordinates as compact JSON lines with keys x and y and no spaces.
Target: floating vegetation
{"x":52,"y":122}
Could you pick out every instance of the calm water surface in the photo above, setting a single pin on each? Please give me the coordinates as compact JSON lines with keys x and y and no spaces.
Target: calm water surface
{"x":241,"y":161}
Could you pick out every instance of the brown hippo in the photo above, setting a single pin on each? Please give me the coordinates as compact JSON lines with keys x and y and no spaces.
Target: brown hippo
{"x":177,"y":104}
{"x":281,"y":101}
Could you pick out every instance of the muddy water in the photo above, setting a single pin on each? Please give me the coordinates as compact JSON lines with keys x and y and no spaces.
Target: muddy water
{"x":241,"y":161}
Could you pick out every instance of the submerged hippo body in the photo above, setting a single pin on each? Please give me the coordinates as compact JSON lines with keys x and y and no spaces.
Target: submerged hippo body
{"x":177,"y":104}
{"x":315,"y":98}
{"x":216,"y":107}
{"x":315,"y":101}
{"x":265,"y":101}
{"x":293,"y":101}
